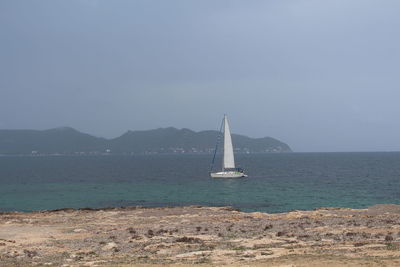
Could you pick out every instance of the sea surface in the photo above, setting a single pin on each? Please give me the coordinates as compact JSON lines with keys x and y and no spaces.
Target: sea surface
{"x":276,"y":182}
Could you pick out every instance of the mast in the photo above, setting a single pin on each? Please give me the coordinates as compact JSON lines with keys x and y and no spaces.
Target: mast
{"x":229,"y":161}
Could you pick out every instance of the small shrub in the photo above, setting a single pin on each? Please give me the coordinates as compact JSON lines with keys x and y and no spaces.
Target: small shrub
{"x":186,"y":239}
{"x":266,"y":253}
{"x":267,"y":227}
{"x":173,"y":231}
{"x":359,"y":244}
{"x":281,"y":233}
{"x":389,"y":238}
{"x":150,"y":233}
{"x":350,"y":234}
{"x":30,"y":253}
{"x":239,"y":248}
{"x":392,"y":246}
{"x":161,"y":231}
{"x":131,"y":230}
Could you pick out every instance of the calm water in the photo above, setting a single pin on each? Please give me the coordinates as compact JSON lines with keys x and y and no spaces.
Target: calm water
{"x":276,"y":183}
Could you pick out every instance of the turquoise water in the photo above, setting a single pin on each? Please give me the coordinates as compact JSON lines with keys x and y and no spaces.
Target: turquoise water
{"x":276,"y":183}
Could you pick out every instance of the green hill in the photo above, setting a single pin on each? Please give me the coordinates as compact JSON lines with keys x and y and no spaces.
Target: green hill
{"x":67,"y":140}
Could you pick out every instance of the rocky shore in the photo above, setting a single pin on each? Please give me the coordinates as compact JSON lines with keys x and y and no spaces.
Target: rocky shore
{"x":204,"y":236}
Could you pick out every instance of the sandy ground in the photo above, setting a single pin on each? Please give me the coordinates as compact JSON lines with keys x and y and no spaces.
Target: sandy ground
{"x":203,"y":236}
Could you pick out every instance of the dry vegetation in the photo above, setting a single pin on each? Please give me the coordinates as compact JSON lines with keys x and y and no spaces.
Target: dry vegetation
{"x":201,"y":235}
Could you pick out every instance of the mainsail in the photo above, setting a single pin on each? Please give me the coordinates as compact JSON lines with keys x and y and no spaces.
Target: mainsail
{"x":229,"y":160}
{"x":228,"y":163}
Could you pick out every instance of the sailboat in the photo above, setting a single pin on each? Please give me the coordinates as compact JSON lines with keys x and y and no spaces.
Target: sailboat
{"x":228,"y":161}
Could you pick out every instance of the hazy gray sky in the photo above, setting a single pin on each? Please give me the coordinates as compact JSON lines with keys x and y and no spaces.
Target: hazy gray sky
{"x":319,"y":75}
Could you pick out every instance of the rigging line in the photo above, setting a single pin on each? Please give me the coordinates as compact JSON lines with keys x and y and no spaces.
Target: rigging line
{"x":216,"y":145}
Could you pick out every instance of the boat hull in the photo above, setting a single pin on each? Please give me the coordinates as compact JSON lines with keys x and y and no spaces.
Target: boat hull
{"x":228,"y":175}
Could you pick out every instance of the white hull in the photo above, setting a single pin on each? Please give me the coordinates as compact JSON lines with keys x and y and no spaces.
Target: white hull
{"x":231,"y":174}
{"x":228,"y":170}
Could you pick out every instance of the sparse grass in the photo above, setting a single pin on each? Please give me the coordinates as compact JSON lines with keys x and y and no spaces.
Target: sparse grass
{"x":239,"y":248}
{"x":230,"y":236}
{"x":65,"y":254}
{"x":262,"y":246}
{"x":266,"y":253}
{"x":203,"y":260}
{"x":392,"y":246}
{"x":221,"y":236}
{"x":186,"y":239}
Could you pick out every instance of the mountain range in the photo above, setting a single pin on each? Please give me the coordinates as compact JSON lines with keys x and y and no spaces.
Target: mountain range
{"x":67,"y":140}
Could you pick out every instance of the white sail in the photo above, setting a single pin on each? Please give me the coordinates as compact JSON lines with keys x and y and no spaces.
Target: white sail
{"x":229,"y":161}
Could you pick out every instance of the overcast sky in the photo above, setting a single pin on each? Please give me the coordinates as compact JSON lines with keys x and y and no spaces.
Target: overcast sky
{"x":318,"y":75}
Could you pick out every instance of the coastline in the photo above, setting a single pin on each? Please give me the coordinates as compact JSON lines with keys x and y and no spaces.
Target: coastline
{"x":201,"y":235}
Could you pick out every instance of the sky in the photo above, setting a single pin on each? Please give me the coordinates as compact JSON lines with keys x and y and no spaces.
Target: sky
{"x":318,"y":75}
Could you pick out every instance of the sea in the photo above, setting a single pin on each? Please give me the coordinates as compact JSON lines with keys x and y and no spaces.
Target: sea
{"x":277,"y":182}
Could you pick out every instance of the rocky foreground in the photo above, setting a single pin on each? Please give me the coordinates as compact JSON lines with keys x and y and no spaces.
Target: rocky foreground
{"x":202,"y":236}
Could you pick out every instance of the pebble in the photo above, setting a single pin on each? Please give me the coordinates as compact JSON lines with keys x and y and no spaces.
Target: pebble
{"x":90,"y":263}
{"x":79,"y":230}
{"x":109,"y":246}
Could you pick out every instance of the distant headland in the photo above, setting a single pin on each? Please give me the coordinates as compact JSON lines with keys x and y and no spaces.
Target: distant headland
{"x":68,"y":141}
